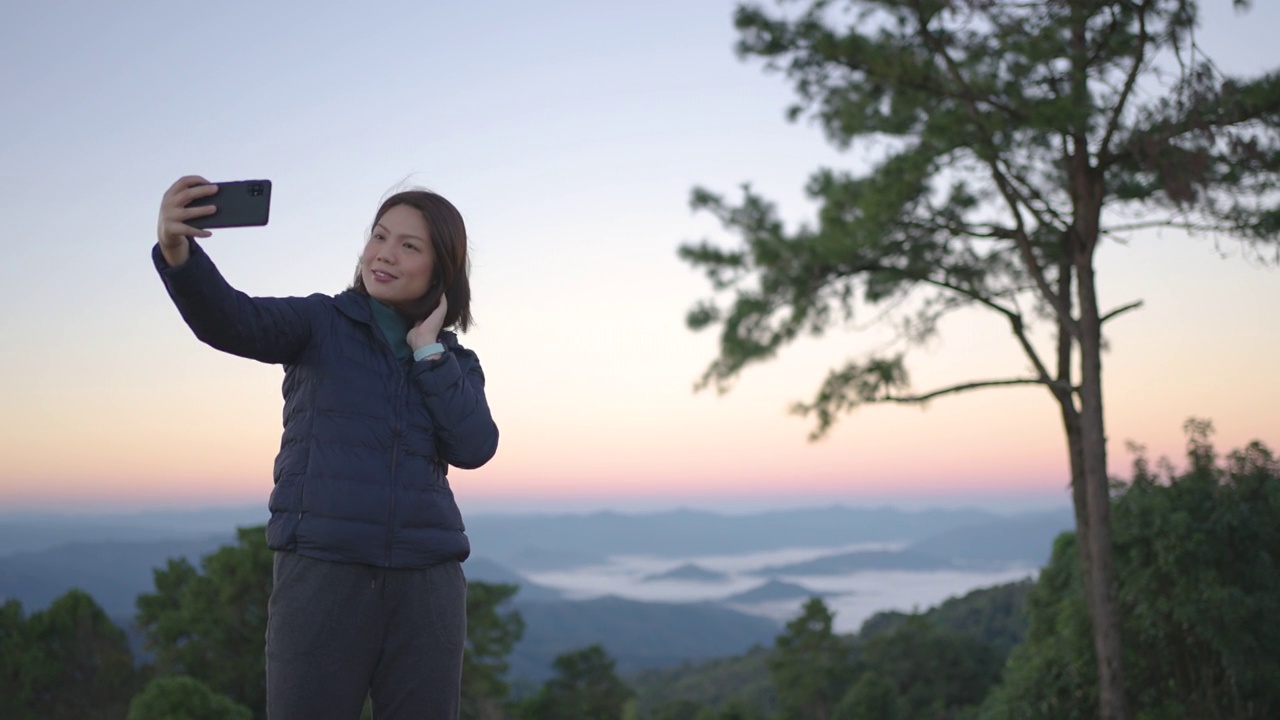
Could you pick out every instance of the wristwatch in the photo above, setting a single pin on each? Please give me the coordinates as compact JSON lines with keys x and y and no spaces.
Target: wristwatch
{"x":426,"y":351}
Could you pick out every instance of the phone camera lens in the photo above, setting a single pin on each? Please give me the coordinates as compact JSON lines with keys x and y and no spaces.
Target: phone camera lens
{"x":255,"y":190}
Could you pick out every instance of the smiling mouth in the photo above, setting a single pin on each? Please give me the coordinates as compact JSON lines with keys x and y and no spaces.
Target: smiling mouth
{"x":382,"y":276}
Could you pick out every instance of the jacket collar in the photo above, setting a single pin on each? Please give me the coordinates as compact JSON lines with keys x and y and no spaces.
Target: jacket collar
{"x":354,"y":305}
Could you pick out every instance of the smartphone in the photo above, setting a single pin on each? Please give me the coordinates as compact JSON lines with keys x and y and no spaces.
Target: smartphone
{"x":243,"y":203}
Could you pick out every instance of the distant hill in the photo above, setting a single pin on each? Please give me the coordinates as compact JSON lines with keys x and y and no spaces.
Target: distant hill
{"x":771,"y":591}
{"x":995,"y":615}
{"x":114,"y":573}
{"x":31,"y":532}
{"x":535,"y":558}
{"x":28,"y":537}
{"x":859,"y":561}
{"x":33,"y":587}
{"x":689,"y":571}
{"x":1001,"y":542}
{"x":636,"y":634}
{"x":485,"y":570}
{"x":1023,"y":539}
{"x":529,"y":543}
{"x":690,"y":533}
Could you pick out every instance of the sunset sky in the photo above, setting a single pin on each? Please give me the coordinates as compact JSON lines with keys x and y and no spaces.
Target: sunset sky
{"x":570,"y":134}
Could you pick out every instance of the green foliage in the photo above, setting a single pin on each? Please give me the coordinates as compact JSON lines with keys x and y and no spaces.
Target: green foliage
{"x":491,"y":634}
{"x":211,"y":625}
{"x":993,"y":618}
{"x":910,"y":665}
{"x":1196,"y":556}
{"x":640,"y":634}
{"x":585,"y":687}
{"x":871,"y":698}
{"x":13,"y":644}
{"x":679,"y":710}
{"x":936,"y":673}
{"x":715,"y":685}
{"x":734,"y":710}
{"x":1055,"y":665}
{"x":1203,"y":583}
{"x":178,"y":697}
{"x":1010,"y":139}
{"x":66,"y":662}
{"x":994,"y":615}
{"x":810,"y":664}
{"x":690,"y":710}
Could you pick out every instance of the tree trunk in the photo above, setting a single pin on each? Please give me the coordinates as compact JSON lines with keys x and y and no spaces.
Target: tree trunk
{"x":1070,"y":415}
{"x":1100,"y":577}
{"x":1079,"y":490}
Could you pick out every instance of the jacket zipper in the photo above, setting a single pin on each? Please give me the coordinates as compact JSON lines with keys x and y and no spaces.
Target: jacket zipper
{"x":402,"y":372}
{"x":395,"y":454}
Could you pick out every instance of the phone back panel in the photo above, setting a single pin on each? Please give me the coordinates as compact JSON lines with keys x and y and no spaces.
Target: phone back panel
{"x":243,"y":203}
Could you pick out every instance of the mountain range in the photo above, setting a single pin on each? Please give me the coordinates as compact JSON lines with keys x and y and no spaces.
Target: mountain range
{"x":113,"y":559}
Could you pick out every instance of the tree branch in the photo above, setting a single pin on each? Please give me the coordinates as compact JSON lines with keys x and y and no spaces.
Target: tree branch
{"x":1030,"y":350}
{"x":1015,"y":322}
{"x":1139,"y":56}
{"x":1159,"y":224}
{"x":1027,"y":190}
{"x":877,"y":267}
{"x":1028,"y":255}
{"x":1014,"y":317}
{"x":1119,"y":311}
{"x":978,"y":232}
{"x":1010,"y":193}
{"x":917,"y":399}
{"x":1164,"y":132}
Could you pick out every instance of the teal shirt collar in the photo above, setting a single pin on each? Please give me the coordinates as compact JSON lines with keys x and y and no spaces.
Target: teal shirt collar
{"x":393,"y":327}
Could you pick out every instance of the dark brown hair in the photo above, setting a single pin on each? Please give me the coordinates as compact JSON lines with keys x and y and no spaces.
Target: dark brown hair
{"x":448,"y":237}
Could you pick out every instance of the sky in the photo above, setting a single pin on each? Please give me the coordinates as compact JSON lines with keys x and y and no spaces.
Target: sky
{"x":570,"y":134}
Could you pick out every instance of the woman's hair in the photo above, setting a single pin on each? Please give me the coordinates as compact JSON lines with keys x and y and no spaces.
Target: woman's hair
{"x":448,"y":237}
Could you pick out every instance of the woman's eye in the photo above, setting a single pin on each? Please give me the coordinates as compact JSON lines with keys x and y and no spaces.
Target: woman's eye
{"x":411,"y":246}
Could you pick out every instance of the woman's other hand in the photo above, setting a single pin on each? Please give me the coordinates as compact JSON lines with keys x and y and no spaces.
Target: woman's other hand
{"x":428,"y":331}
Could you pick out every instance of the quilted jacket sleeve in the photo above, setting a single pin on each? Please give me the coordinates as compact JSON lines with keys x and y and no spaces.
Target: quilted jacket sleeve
{"x":453,"y":388}
{"x":270,"y":330}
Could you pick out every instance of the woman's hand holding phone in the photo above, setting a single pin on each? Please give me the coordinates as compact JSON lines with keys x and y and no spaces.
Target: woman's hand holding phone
{"x":172,"y":229}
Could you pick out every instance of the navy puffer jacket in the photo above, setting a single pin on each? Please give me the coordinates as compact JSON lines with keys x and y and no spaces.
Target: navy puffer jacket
{"x":361,"y":473}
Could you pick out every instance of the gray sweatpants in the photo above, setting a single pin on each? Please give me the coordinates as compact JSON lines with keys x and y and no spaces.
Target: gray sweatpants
{"x":337,"y":633}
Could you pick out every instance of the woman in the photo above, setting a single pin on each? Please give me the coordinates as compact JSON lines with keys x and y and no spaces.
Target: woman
{"x":368,"y":598}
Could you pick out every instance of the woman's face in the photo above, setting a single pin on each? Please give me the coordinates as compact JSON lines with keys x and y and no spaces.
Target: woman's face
{"x":398,"y":260}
